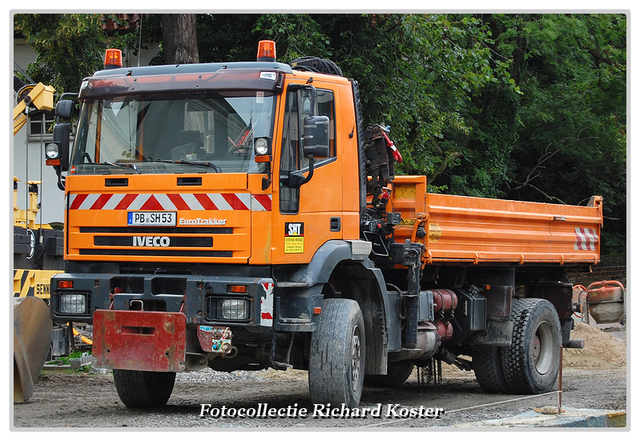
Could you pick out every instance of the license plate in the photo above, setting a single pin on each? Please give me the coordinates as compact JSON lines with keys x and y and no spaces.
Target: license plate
{"x":147,"y":218}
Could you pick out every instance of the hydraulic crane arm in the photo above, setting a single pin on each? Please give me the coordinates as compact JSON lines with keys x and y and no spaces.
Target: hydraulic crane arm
{"x":40,"y":97}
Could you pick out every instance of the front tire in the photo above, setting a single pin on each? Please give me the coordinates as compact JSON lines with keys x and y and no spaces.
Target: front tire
{"x":337,"y":357}
{"x":532,"y":362}
{"x":144,"y":389}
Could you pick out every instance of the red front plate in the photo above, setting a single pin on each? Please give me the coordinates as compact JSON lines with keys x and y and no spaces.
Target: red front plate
{"x":139,"y":340}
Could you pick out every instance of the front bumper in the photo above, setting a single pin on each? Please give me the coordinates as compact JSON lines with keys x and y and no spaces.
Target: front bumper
{"x":237,"y":301}
{"x":163,"y":322}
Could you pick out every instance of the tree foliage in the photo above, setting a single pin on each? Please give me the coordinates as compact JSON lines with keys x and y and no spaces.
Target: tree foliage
{"x":572,"y":136}
{"x":68,"y":47}
{"x":519,"y":106}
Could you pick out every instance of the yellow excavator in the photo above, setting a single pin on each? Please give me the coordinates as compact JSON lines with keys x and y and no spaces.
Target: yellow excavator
{"x":32,"y":325}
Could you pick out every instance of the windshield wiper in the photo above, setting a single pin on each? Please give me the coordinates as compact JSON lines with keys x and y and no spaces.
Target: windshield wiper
{"x":122,"y":164}
{"x":185,"y":162}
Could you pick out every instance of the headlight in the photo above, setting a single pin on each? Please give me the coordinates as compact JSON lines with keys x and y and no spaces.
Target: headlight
{"x":52,"y":150}
{"x":261,"y":146}
{"x":73,"y":304}
{"x":234,"y":309}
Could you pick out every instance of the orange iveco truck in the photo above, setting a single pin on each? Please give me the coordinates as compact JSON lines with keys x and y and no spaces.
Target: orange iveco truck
{"x":241,"y":216}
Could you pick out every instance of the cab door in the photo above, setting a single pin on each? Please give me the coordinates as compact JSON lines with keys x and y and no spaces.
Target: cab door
{"x":309,"y":208}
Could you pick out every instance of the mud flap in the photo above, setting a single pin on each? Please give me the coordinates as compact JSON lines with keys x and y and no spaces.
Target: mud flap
{"x":139,"y":340}
{"x":32,"y":330}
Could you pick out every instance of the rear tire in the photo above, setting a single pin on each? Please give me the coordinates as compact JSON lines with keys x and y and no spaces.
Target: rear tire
{"x":144,"y":389}
{"x":337,"y":357}
{"x":487,"y":365}
{"x":532,"y":362}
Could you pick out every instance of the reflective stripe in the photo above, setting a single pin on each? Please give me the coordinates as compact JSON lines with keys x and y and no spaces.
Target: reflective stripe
{"x":586,"y":239}
{"x":174,"y":201}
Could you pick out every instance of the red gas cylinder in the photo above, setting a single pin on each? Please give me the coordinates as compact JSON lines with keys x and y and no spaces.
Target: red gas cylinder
{"x":445,"y":330}
{"x":444,"y":300}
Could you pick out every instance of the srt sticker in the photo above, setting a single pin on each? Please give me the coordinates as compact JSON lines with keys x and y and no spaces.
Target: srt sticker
{"x":294,"y":237}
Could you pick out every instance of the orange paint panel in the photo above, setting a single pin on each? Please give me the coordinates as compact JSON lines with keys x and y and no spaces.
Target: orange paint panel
{"x":486,"y":230}
{"x":209,"y":221}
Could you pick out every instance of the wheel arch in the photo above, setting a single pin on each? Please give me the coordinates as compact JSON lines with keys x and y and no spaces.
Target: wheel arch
{"x":338,"y":270}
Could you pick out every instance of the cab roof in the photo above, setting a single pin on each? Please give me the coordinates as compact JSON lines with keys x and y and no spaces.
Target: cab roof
{"x":176,"y":69}
{"x":266,"y":76}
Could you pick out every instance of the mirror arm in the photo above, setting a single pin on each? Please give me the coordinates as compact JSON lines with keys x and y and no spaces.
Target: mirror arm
{"x":312,"y":162}
{"x":61,"y":180}
{"x":296,"y":178}
{"x":266,"y":180}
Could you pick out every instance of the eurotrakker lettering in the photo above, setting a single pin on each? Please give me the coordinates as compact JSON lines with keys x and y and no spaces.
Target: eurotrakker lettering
{"x":201,"y":221}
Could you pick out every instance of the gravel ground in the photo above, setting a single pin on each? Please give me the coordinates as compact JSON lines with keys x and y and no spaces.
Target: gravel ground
{"x":72,"y":400}
{"x":595,"y":379}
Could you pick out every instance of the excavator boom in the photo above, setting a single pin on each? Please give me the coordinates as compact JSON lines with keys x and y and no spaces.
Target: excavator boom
{"x":40,"y":97}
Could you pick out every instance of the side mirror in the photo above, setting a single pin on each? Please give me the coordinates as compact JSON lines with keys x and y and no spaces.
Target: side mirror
{"x":64,"y":109}
{"x":316,"y":136}
{"x":57,"y":151}
{"x":315,"y":144}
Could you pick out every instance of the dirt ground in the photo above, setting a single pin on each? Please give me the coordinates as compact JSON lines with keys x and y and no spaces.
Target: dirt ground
{"x":594,"y":378}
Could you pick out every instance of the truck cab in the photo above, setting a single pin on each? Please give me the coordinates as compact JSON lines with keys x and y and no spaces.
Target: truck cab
{"x":193,"y":194}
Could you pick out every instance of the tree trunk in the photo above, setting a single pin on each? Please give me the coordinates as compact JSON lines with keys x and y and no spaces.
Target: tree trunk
{"x":180,"y":42}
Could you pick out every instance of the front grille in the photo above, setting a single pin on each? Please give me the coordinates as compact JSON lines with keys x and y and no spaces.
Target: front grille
{"x":168,"y":285}
{"x":130,"y":292}
{"x":154,"y":252}
{"x":128,"y":241}
{"x":155,"y":241}
{"x":126,"y":284}
{"x":157,"y":230}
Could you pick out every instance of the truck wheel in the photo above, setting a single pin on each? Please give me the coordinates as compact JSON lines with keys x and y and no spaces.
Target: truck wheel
{"x":397,"y":373}
{"x":532,"y":362}
{"x":487,"y":365}
{"x":144,"y":389}
{"x":336,"y":360}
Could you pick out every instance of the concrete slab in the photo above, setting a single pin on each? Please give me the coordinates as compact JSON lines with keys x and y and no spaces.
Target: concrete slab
{"x":569,"y":418}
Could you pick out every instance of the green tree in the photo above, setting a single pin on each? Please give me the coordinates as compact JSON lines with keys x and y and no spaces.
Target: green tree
{"x":572,"y":131}
{"x":417,"y":73}
{"x":68,"y":47}
{"x":227,"y":37}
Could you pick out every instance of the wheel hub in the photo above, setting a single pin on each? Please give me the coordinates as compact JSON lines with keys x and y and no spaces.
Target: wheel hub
{"x":536,"y":349}
{"x":543,"y":350}
{"x":355,"y":359}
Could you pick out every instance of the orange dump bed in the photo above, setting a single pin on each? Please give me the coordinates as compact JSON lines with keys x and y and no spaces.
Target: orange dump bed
{"x":479,"y":230}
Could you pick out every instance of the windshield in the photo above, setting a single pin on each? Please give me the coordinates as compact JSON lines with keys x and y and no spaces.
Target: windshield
{"x":182,"y":134}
